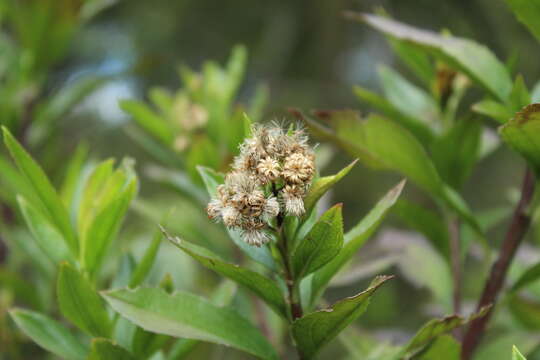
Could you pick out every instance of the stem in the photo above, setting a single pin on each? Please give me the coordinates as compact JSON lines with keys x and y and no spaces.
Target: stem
{"x":455,"y":258}
{"x":518,"y":228}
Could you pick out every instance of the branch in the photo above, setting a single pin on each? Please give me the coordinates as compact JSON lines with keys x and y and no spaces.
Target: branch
{"x":518,"y":228}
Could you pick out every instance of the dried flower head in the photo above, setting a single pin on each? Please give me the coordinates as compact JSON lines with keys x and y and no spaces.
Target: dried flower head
{"x":269,"y":179}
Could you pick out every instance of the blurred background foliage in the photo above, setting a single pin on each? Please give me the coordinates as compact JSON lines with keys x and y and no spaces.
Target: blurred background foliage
{"x":73,"y":72}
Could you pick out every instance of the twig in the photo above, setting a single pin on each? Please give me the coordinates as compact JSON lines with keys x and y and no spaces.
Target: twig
{"x":518,"y":228}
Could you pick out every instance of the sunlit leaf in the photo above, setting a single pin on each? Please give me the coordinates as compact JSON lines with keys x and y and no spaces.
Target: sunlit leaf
{"x":186,"y":315}
{"x":475,"y":60}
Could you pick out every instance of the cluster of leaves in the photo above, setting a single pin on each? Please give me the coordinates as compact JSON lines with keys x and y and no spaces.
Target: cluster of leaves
{"x":198,"y":124}
{"x":433,"y":136}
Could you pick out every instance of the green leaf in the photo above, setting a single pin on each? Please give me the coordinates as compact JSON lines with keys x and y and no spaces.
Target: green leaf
{"x":418,"y":128}
{"x":265,"y":288}
{"x":436,"y":327}
{"x":445,"y":347}
{"x":73,"y":175}
{"x":530,"y":275}
{"x":519,"y":97}
{"x":408,"y":98}
{"x":494,"y":110}
{"x":262,"y":255}
{"x":321,"y":244}
{"x":203,"y":152}
{"x":46,"y":235}
{"x":522,"y":133}
{"x":104,"y":349}
{"x":528,"y":13}
{"x":316,"y":329}
{"x":80,"y":303}
{"x":144,"y":266}
{"x":422,"y":266}
{"x":525,"y":311}
{"x":516,"y":355}
{"x":475,"y":60}
{"x":455,"y":153}
{"x":321,"y":185}
{"x":49,"y":334}
{"x":149,"y":120}
{"x":105,"y":227}
{"x":49,"y":199}
{"x":416,"y":59}
{"x":382,"y":144}
{"x":189,"y":316}
{"x":354,"y":240}
{"x":427,"y":222}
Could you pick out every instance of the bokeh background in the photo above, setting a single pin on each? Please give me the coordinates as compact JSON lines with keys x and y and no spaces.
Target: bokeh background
{"x":309,"y":56}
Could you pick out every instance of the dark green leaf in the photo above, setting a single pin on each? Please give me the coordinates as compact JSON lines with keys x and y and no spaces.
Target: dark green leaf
{"x":265,"y":288}
{"x":321,"y":244}
{"x":529,"y":276}
{"x":316,"y":329}
{"x":436,"y":327}
{"x":354,"y":240}
{"x":525,"y":311}
{"x":189,"y":316}
{"x":427,"y":222}
{"x":455,"y":153}
{"x":49,"y":334}
{"x":528,"y":13}
{"x":80,"y":303}
{"x":144,"y":266}
{"x":475,"y":60}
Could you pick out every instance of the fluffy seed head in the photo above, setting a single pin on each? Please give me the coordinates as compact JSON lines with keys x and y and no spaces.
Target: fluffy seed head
{"x":270,"y":175}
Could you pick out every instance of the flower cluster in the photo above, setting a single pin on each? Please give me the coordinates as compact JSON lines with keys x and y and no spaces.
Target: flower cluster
{"x":269,"y":177}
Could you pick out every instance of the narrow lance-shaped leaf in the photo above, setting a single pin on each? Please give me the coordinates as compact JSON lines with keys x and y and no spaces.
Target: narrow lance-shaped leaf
{"x":104,"y":227}
{"x":104,"y":349}
{"x":475,"y":60}
{"x":80,"y":303}
{"x":265,"y":288}
{"x":355,"y":239}
{"x":321,"y":185}
{"x":516,"y":355}
{"x":321,"y":244}
{"x":528,"y":12}
{"x":46,"y":235}
{"x":145,"y":265}
{"x":436,"y":327}
{"x":189,"y":316}
{"x":316,"y":329}
{"x":531,"y":275}
{"x":49,"y":334}
{"x":43,"y":188}
{"x":522,"y":133}
{"x":262,"y":255}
